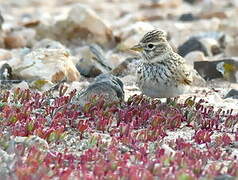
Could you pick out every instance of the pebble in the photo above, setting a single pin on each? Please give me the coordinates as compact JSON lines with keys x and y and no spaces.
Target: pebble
{"x":233,"y":93}
{"x":91,"y":61}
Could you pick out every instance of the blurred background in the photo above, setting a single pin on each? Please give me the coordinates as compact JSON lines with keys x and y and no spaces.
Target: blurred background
{"x":80,"y":39}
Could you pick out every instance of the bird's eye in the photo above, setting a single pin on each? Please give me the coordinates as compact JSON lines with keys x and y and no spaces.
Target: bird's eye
{"x":150,"y":46}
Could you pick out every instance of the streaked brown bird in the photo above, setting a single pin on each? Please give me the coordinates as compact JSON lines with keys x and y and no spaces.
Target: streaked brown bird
{"x":162,"y":73}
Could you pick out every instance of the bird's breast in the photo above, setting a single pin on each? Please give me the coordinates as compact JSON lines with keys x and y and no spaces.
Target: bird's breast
{"x":156,"y":80}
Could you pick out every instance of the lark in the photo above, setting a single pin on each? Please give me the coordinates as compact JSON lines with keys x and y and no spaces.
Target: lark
{"x":162,"y":73}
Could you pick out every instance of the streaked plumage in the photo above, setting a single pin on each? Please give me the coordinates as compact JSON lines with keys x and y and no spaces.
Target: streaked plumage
{"x":162,"y":72}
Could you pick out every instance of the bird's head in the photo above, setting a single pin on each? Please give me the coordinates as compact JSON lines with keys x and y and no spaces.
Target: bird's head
{"x":153,"y":44}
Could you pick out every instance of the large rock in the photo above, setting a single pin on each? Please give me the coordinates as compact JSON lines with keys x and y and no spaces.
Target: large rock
{"x":48,"y":64}
{"x":225,"y":68}
{"x":81,"y":24}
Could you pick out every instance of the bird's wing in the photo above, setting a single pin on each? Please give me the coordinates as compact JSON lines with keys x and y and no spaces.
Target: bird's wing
{"x":184,"y":73}
{"x":187,"y":75}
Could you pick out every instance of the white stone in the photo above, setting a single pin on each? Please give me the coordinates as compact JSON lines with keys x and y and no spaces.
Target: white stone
{"x":194,"y":56}
{"x":48,"y":64}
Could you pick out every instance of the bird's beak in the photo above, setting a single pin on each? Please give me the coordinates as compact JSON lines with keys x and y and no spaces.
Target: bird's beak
{"x":137,"y":48}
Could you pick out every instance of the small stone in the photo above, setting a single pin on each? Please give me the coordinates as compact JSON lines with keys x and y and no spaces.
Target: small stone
{"x":190,"y":1}
{"x":114,"y":59}
{"x":220,"y":37}
{"x":198,"y":80}
{"x":89,"y":68}
{"x":5,"y":73}
{"x":235,"y":144}
{"x":31,"y":141}
{"x":188,"y":17}
{"x":92,"y":61}
{"x":6,"y":163}
{"x":233,"y":93}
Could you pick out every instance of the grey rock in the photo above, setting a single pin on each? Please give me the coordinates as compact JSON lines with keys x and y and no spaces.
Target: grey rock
{"x":233,"y":93}
{"x":188,"y":17}
{"x":207,"y":69}
{"x":89,"y":69}
{"x":93,"y":63}
{"x":5,"y":72}
{"x":210,"y":43}
{"x":225,"y":68}
{"x":190,"y":1}
{"x":99,"y":56}
{"x":192,"y":44}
